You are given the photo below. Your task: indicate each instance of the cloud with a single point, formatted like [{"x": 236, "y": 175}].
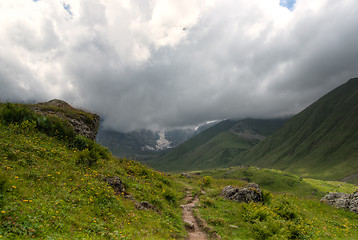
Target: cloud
[{"x": 163, "y": 64}]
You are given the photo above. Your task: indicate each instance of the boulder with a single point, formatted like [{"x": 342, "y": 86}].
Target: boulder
[
  {"x": 147, "y": 205},
  {"x": 186, "y": 175},
  {"x": 249, "y": 193},
  {"x": 115, "y": 182},
  {"x": 342, "y": 200}
]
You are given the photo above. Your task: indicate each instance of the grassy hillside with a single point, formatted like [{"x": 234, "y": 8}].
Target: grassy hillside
[
  {"x": 53, "y": 187},
  {"x": 57, "y": 185},
  {"x": 291, "y": 208},
  {"x": 216, "y": 146},
  {"x": 320, "y": 142}
]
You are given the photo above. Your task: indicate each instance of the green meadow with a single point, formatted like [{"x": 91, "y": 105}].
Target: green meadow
[{"x": 52, "y": 187}]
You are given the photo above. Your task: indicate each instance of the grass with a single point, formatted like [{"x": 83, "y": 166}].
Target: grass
[
  {"x": 277, "y": 181},
  {"x": 286, "y": 214},
  {"x": 46, "y": 194}
]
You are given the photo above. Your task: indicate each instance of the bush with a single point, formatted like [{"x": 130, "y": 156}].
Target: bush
[
  {"x": 285, "y": 210},
  {"x": 52, "y": 126},
  {"x": 87, "y": 157},
  {"x": 44, "y": 124},
  {"x": 61, "y": 129},
  {"x": 14, "y": 113},
  {"x": 266, "y": 197},
  {"x": 170, "y": 196},
  {"x": 207, "y": 180},
  {"x": 3, "y": 185},
  {"x": 80, "y": 142}
]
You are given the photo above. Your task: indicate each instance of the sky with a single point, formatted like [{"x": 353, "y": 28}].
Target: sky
[{"x": 162, "y": 64}]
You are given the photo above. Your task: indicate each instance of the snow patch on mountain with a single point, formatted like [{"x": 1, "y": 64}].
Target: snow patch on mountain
[{"x": 162, "y": 142}]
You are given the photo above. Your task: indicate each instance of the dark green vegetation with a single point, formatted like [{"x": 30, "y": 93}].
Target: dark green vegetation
[
  {"x": 51, "y": 186},
  {"x": 291, "y": 207},
  {"x": 320, "y": 142},
  {"x": 216, "y": 146}
]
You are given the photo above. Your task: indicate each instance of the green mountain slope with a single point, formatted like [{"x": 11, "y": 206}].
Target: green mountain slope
[
  {"x": 320, "y": 142},
  {"x": 55, "y": 185},
  {"x": 216, "y": 146}
]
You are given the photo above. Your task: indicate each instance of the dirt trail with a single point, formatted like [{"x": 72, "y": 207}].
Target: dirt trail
[{"x": 194, "y": 231}]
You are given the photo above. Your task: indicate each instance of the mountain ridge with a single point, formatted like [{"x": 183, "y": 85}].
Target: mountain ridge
[
  {"x": 215, "y": 146},
  {"x": 323, "y": 138}
]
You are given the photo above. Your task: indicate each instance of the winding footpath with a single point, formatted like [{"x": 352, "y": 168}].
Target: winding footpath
[{"x": 194, "y": 230}]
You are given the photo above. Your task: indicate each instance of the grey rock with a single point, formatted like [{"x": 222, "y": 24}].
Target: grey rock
[
  {"x": 342, "y": 200},
  {"x": 187, "y": 175},
  {"x": 249, "y": 193},
  {"x": 115, "y": 182}
]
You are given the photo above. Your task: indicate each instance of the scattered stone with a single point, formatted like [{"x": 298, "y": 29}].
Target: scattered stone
[
  {"x": 147, "y": 205},
  {"x": 233, "y": 226},
  {"x": 115, "y": 182},
  {"x": 249, "y": 193},
  {"x": 188, "y": 225},
  {"x": 342, "y": 200},
  {"x": 187, "y": 175},
  {"x": 118, "y": 186},
  {"x": 246, "y": 179}
]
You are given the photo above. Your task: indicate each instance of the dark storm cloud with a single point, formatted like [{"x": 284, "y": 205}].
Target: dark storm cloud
[{"x": 164, "y": 64}]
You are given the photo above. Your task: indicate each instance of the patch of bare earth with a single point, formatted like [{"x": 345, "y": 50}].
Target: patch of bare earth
[{"x": 194, "y": 230}]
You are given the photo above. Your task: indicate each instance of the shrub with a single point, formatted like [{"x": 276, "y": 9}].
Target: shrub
[
  {"x": 87, "y": 157},
  {"x": 208, "y": 202},
  {"x": 61, "y": 129},
  {"x": 52, "y": 126},
  {"x": 44, "y": 124},
  {"x": 207, "y": 180},
  {"x": 266, "y": 197},
  {"x": 80, "y": 142},
  {"x": 170, "y": 196},
  {"x": 14, "y": 113},
  {"x": 285, "y": 210},
  {"x": 3, "y": 186}
]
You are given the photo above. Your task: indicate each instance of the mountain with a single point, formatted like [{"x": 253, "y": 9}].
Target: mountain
[
  {"x": 216, "y": 146},
  {"x": 58, "y": 184},
  {"x": 320, "y": 142},
  {"x": 146, "y": 144}
]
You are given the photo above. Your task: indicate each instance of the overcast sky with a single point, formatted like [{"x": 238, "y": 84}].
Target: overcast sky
[{"x": 170, "y": 63}]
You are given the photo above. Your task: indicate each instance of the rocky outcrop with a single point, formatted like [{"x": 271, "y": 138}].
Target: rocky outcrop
[
  {"x": 115, "y": 182},
  {"x": 84, "y": 123},
  {"x": 342, "y": 200},
  {"x": 145, "y": 205},
  {"x": 118, "y": 186},
  {"x": 249, "y": 193}
]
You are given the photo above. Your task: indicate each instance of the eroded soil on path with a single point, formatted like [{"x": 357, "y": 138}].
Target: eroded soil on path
[{"x": 194, "y": 230}]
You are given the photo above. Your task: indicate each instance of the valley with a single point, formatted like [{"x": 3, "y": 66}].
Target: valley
[{"x": 57, "y": 183}]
